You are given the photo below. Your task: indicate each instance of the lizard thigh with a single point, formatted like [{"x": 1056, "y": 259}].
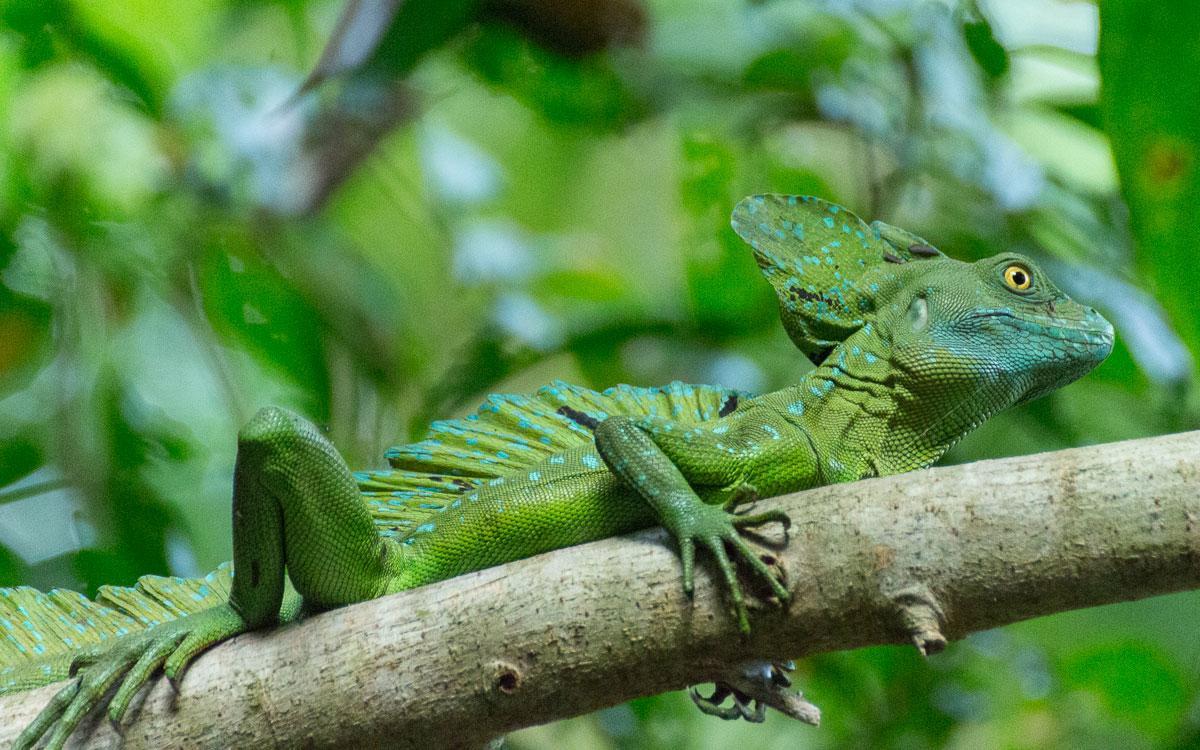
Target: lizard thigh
[{"x": 296, "y": 507}]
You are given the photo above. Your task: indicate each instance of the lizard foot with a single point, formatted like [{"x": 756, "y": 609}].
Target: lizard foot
[
  {"x": 130, "y": 660},
  {"x": 714, "y": 527},
  {"x": 752, "y": 689}
]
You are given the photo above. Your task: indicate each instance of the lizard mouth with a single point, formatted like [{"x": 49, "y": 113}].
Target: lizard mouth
[{"x": 1093, "y": 331}]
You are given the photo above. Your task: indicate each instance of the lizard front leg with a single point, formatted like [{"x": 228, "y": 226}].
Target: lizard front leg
[
  {"x": 633, "y": 455},
  {"x": 296, "y": 507}
]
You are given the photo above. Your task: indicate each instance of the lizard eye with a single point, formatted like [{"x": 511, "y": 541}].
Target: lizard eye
[{"x": 1018, "y": 278}]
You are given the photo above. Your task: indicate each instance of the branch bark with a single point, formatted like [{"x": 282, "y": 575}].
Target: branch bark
[{"x": 921, "y": 558}]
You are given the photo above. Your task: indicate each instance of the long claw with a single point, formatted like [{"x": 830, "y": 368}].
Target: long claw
[
  {"x": 687, "y": 555},
  {"x": 743, "y": 706},
  {"x": 92, "y": 687},
  {"x": 712, "y": 704},
  {"x": 713, "y": 528},
  {"x": 139, "y": 674},
  {"x": 47, "y": 717},
  {"x": 755, "y": 715},
  {"x": 717, "y": 547},
  {"x": 760, "y": 519}
]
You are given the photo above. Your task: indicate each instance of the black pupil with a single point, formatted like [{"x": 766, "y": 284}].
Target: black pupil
[{"x": 1018, "y": 278}]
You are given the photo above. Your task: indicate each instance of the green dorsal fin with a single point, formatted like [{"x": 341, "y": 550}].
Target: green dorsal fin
[
  {"x": 509, "y": 434},
  {"x": 817, "y": 256}
]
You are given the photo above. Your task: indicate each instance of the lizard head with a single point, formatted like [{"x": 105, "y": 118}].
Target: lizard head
[{"x": 998, "y": 328}]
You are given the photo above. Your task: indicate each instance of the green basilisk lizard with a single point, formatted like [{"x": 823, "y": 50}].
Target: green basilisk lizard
[{"x": 912, "y": 350}]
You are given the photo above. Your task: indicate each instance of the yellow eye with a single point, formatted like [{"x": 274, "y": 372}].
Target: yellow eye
[{"x": 1018, "y": 278}]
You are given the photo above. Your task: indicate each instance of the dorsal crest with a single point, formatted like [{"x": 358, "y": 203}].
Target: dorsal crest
[{"x": 819, "y": 258}]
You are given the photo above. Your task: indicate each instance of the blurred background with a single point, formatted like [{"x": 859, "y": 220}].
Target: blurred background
[{"x": 376, "y": 213}]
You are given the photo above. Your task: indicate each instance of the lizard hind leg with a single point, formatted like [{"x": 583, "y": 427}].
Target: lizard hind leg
[{"x": 295, "y": 507}]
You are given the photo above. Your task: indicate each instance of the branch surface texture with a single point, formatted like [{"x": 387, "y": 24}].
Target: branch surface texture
[{"x": 921, "y": 558}]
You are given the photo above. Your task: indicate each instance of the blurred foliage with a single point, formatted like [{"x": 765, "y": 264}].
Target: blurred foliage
[{"x": 520, "y": 190}]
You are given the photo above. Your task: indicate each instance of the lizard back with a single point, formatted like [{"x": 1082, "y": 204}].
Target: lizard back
[{"x": 507, "y": 435}]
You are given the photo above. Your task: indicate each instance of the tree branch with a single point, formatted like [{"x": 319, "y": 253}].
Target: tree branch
[{"x": 921, "y": 558}]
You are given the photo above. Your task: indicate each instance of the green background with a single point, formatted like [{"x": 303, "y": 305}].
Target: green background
[{"x": 479, "y": 207}]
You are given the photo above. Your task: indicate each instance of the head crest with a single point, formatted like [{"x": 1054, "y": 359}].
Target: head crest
[{"x": 817, "y": 256}]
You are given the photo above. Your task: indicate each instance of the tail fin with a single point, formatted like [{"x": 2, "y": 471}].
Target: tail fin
[{"x": 41, "y": 632}]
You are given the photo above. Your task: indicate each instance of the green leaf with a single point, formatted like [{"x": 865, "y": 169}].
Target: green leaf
[
  {"x": 18, "y": 456},
  {"x": 990, "y": 54},
  {"x": 26, "y": 281},
  {"x": 12, "y": 571},
  {"x": 1149, "y": 66},
  {"x": 591, "y": 285},
  {"x": 566, "y": 92},
  {"x": 824, "y": 42},
  {"x": 726, "y": 294},
  {"x": 47, "y": 26},
  {"x": 1086, "y": 112},
  {"x": 785, "y": 69},
  {"x": 250, "y": 303},
  {"x": 1135, "y": 682}
]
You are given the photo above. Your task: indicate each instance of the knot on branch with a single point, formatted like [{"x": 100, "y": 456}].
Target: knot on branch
[
  {"x": 506, "y": 678},
  {"x": 922, "y": 618}
]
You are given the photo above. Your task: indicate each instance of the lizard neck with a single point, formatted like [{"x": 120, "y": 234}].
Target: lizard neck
[{"x": 866, "y": 418}]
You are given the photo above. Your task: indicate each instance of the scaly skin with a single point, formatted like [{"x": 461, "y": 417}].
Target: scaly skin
[{"x": 914, "y": 350}]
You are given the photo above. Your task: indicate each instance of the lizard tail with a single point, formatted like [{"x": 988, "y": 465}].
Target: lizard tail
[{"x": 41, "y": 632}]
